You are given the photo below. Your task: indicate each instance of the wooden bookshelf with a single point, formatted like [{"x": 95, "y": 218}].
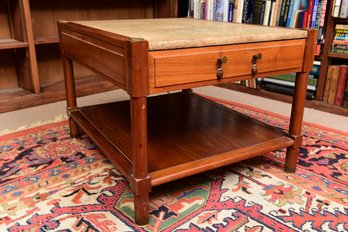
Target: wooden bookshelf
[
  {"x": 328, "y": 57},
  {"x": 30, "y": 61}
]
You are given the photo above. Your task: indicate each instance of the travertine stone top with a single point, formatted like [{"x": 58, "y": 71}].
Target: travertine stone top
[{"x": 176, "y": 33}]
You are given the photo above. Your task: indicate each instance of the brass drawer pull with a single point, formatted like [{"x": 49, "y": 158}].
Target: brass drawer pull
[
  {"x": 254, "y": 68},
  {"x": 219, "y": 71}
]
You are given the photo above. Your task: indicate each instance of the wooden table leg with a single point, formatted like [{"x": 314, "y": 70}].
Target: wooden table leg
[
  {"x": 70, "y": 94},
  {"x": 141, "y": 184},
  {"x": 296, "y": 121}
]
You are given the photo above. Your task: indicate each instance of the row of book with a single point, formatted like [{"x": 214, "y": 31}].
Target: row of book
[
  {"x": 340, "y": 41},
  {"x": 340, "y": 9},
  {"x": 336, "y": 85},
  {"x": 289, "y": 13},
  {"x": 285, "y": 13}
]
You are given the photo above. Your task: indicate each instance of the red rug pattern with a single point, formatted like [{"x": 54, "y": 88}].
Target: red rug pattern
[{"x": 49, "y": 182}]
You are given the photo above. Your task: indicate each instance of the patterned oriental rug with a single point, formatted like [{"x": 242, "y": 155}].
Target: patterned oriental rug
[{"x": 49, "y": 182}]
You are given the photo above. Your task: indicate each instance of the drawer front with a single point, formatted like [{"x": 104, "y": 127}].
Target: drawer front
[
  {"x": 185, "y": 66},
  {"x": 103, "y": 58}
]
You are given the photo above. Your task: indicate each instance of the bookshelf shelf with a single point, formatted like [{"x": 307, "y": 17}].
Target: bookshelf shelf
[
  {"x": 12, "y": 43},
  {"x": 338, "y": 55},
  {"x": 46, "y": 40}
]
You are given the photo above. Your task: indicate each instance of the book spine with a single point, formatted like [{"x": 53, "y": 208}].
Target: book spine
[
  {"x": 336, "y": 8},
  {"x": 293, "y": 16},
  {"x": 275, "y": 13},
  {"x": 256, "y": 11},
  {"x": 290, "y": 14},
  {"x": 328, "y": 83},
  {"x": 219, "y": 14},
  {"x": 225, "y": 5},
  {"x": 342, "y": 80},
  {"x": 314, "y": 13},
  {"x": 310, "y": 11},
  {"x": 286, "y": 12},
  {"x": 262, "y": 12},
  {"x": 245, "y": 11},
  {"x": 250, "y": 12},
  {"x": 344, "y": 9},
  {"x": 230, "y": 11},
  {"x": 278, "y": 12},
  {"x": 271, "y": 13},
  {"x": 267, "y": 12},
  {"x": 240, "y": 11},
  {"x": 333, "y": 85},
  {"x": 323, "y": 12},
  {"x": 214, "y": 9},
  {"x": 345, "y": 100}
]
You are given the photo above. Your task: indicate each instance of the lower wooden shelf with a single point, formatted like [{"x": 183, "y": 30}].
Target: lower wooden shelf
[{"x": 187, "y": 134}]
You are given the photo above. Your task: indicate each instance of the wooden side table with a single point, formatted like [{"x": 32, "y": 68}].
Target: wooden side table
[{"x": 158, "y": 139}]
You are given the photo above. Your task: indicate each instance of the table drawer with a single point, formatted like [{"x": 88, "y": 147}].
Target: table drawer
[{"x": 176, "y": 67}]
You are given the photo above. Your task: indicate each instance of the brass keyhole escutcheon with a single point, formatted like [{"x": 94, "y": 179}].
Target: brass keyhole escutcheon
[
  {"x": 219, "y": 70},
  {"x": 254, "y": 68}
]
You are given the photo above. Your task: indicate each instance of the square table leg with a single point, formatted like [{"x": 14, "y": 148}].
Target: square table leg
[
  {"x": 70, "y": 94},
  {"x": 296, "y": 121}
]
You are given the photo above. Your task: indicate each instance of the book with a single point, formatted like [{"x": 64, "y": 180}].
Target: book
[
  {"x": 231, "y": 11},
  {"x": 315, "y": 71},
  {"x": 341, "y": 84},
  {"x": 336, "y": 8},
  {"x": 339, "y": 48},
  {"x": 280, "y": 3},
  {"x": 333, "y": 84},
  {"x": 239, "y": 11},
  {"x": 343, "y": 9},
  {"x": 257, "y": 11},
  {"x": 345, "y": 99},
  {"x": 314, "y": 13},
  {"x": 273, "y": 18},
  {"x": 323, "y": 12},
  {"x": 328, "y": 83},
  {"x": 286, "y": 12},
  {"x": 219, "y": 14},
  {"x": 248, "y": 11},
  {"x": 293, "y": 13},
  {"x": 282, "y": 17},
  {"x": 340, "y": 41},
  {"x": 310, "y": 11},
  {"x": 267, "y": 12},
  {"x": 341, "y": 31}
]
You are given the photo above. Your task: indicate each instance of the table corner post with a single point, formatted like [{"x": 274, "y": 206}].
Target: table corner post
[
  {"x": 298, "y": 102},
  {"x": 69, "y": 81},
  {"x": 141, "y": 183},
  {"x": 138, "y": 87}
]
